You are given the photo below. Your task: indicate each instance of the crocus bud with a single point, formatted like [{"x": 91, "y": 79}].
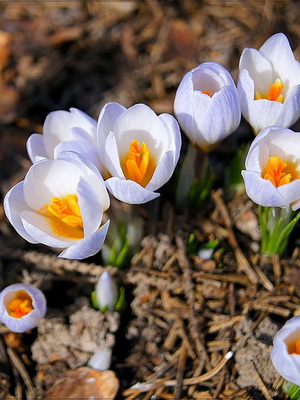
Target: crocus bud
[
  {"x": 21, "y": 307},
  {"x": 269, "y": 84},
  {"x": 285, "y": 354},
  {"x": 107, "y": 292},
  {"x": 207, "y": 105},
  {"x": 101, "y": 360}
]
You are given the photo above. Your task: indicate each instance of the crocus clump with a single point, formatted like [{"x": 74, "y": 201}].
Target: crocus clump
[
  {"x": 273, "y": 168},
  {"x": 207, "y": 105},
  {"x": 285, "y": 353},
  {"x": 21, "y": 307},
  {"x": 60, "y": 203},
  {"x": 269, "y": 84}
]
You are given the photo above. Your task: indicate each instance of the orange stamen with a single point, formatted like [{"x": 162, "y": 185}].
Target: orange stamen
[
  {"x": 21, "y": 305},
  {"x": 274, "y": 172},
  {"x": 65, "y": 217},
  {"x": 208, "y": 92},
  {"x": 138, "y": 165},
  {"x": 294, "y": 348},
  {"x": 274, "y": 93}
]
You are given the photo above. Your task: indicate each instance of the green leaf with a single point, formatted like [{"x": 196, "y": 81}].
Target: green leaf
[
  {"x": 94, "y": 301},
  {"x": 120, "y": 305}
]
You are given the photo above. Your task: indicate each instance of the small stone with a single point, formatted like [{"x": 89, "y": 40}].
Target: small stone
[{"x": 84, "y": 383}]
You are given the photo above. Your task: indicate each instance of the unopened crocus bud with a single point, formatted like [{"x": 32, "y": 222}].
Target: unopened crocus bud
[
  {"x": 207, "y": 105},
  {"x": 107, "y": 292},
  {"x": 101, "y": 360},
  {"x": 285, "y": 354},
  {"x": 21, "y": 307}
]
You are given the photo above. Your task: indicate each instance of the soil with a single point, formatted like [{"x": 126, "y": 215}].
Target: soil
[{"x": 193, "y": 328}]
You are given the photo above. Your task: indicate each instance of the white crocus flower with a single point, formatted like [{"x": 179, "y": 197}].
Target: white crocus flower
[
  {"x": 285, "y": 354},
  {"x": 272, "y": 175},
  {"x": 21, "y": 307},
  {"x": 207, "y": 105},
  {"x": 107, "y": 292},
  {"x": 269, "y": 84},
  {"x": 63, "y": 131},
  {"x": 138, "y": 149},
  {"x": 60, "y": 203}
]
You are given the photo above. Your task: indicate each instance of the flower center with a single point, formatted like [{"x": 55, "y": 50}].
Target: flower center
[
  {"x": 65, "y": 217},
  {"x": 138, "y": 166},
  {"x": 294, "y": 347},
  {"x": 279, "y": 172},
  {"x": 208, "y": 92},
  {"x": 274, "y": 93},
  {"x": 20, "y": 305}
]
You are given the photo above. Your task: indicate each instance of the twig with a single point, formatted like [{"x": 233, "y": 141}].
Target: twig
[
  {"x": 260, "y": 383},
  {"x": 22, "y": 371},
  {"x": 241, "y": 259},
  {"x": 180, "y": 372}
]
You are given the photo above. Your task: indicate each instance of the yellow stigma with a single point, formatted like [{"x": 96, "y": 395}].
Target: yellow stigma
[
  {"x": 280, "y": 172},
  {"x": 138, "y": 165},
  {"x": 20, "y": 305},
  {"x": 65, "y": 217},
  {"x": 294, "y": 347},
  {"x": 274, "y": 92}
]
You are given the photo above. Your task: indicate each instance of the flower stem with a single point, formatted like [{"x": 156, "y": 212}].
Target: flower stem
[{"x": 276, "y": 226}]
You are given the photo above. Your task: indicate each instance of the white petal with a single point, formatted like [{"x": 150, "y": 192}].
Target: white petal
[
  {"x": 90, "y": 207},
  {"x": 14, "y": 204},
  {"x": 172, "y": 127},
  {"x": 290, "y": 110},
  {"x": 86, "y": 149},
  {"x": 262, "y": 191},
  {"x": 90, "y": 172},
  {"x": 88, "y": 246},
  {"x": 107, "y": 118},
  {"x": 265, "y": 113},
  {"x": 49, "y": 178},
  {"x": 183, "y": 106},
  {"x": 84, "y": 125},
  {"x": 141, "y": 123},
  {"x": 35, "y": 147},
  {"x": 291, "y": 193},
  {"x": 245, "y": 89},
  {"x": 163, "y": 172},
  {"x": 59, "y": 124},
  {"x": 260, "y": 149},
  {"x": 112, "y": 158},
  {"x": 38, "y": 226},
  {"x": 278, "y": 50},
  {"x": 223, "y": 115},
  {"x": 129, "y": 191},
  {"x": 259, "y": 68}
]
